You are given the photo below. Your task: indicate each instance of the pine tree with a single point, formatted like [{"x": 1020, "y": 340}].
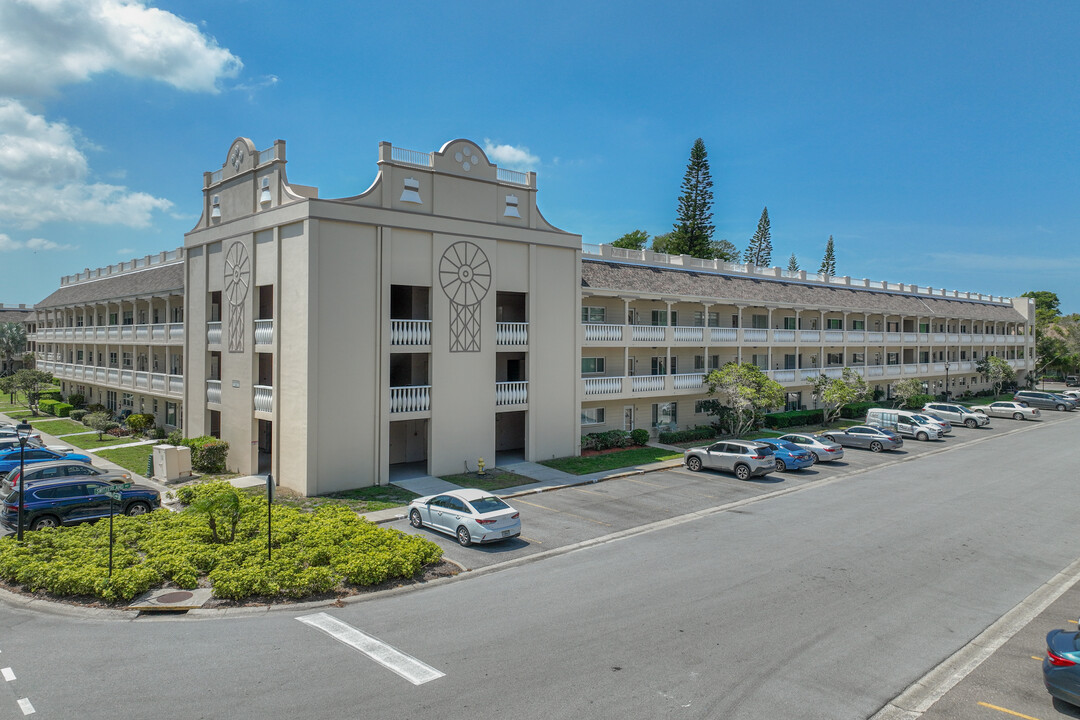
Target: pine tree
[
  {"x": 693, "y": 230},
  {"x": 759, "y": 252},
  {"x": 793, "y": 264},
  {"x": 828, "y": 263}
]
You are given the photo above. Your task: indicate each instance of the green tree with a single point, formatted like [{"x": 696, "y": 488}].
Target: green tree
[
  {"x": 9, "y": 387},
  {"x": 759, "y": 251},
  {"x": 828, "y": 263},
  {"x": 907, "y": 389},
  {"x": 221, "y": 507},
  {"x": 634, "y": 240},
  {"x": 31, "y": 383},
  {"x": 746, "y": 390},
  {"x": 725, "y": 250},
  {"x": 1047, "y": 306},
  {"x": 694, "y": 229},
  {"x": 793, "y": 263},
  {"x": 99, "y": 421},
  {"x": 834, "y": 393},
  {"x": 666, "y": 243},
  {"x": 12, "y": 343},
  {"x": 996, "y": 370}
]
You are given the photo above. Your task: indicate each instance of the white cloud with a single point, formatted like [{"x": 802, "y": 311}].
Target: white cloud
[
  {"x": 44, "y": 177},
  {"x": 516, "y": 158},
  {"x": 33, "y": 244},
  {"x": 48, "y": 43}
]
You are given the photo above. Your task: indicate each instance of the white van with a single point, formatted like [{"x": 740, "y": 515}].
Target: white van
[{"x": 904, "y": 422}]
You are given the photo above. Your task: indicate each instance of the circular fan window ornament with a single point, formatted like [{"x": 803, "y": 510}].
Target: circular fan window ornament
[
  {"x": 237, "y": 280},
  {"x": 465, "y": 277}
]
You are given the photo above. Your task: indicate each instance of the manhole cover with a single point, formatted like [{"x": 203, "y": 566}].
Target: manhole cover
[{"x": 174, "y": 597}]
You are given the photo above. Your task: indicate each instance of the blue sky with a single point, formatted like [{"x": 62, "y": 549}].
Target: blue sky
[{"x": 936, "y": 142}]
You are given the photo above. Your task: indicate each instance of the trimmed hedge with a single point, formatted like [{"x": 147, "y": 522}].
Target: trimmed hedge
[
  {"x": 79, "y": 414},
  {"x": 62, "y": 409},
  {"x": 701, "y": 432},
  {"x": 791, "y": 418},
  {"x": 856, "y": 411},
  {"x": 57, "y": 408},
  {"x": 46, "y": 406},
  {"x": 50, "y": 395},
  {"x": 606, "y": 440},
  {"x": 640, "y": 436},
  {"x": 915, "y": 402}
]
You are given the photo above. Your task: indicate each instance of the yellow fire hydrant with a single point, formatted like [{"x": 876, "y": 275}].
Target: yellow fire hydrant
[{"x": 480, "y": 464}]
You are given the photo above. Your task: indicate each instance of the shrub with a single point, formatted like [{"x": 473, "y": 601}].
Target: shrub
[
  {"x": 62, "y": 409},
  {"x": 78, "y": 415},
  {"x": 640, "y": 436},
  {"x": 701, "y": 432},
  {"x": 915, "y": 402},
  {"x": 791, "y": 418},
  {"x": 159, "y": 433},
  {"x": 48, "y": 406},
  {"x": 116, "y": 430},
  {"x": 76, "y": 400},
  {"x": 50, "y": 395},
  {"x": 97, "y": 408},
  {"x": 99, "y": 421},
  {"x": 138, "y": 422},
  {"x": 606, "y": 440},
  {"x": 208, "y": 454},
  {"x": 854, "y": 411}
]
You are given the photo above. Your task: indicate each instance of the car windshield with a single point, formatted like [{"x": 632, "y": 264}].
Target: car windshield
[
  {"x": 789, "y": 446},
  {"x": 488, "y": 504}
]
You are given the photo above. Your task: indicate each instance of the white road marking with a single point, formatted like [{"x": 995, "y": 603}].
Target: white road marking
[
  {"x": 8, "y": 674},
  {"x": 27, "y": 708},
  {"x": 404, "y": 665}
]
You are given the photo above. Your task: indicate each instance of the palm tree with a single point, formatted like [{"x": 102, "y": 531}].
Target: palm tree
[{"x": 12, "y": 343}]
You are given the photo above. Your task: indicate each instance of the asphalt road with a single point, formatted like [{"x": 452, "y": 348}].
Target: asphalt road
[{"x": 822, "y": 602}]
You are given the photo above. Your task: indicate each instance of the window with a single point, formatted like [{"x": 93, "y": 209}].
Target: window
[
  {"x": 734, "y": 321},
  {"x": 963, "y": 328},
  {"x": 714, "y": 362},
  {"x": 893, "y": 359},
  {"x": 592, "y": 416},
  {"x": 114, "y": 318},
  {"x": 127, "y": 360},
  {"x": 79, "y": 356},
  {"x": 834, "y": 358},
  {"x": 110, "y": 400},
  {"x": 924, "y": 327},
  {"x": 834, "y": 324},
  {"x": 592, "y": 365},
  {"x": 658, "y": 365},
  {"x": 699, "y": 362},
  {"x": 701, "y": 407},
  {"x": 924, "y": 356},
  {"x": 759, "y": 321},
  {"x": 129, "y": 318},
  {"x": 593, "y": 314},
  {"x": 112, "y": 359},
  {"x": 699, "y": 319},
  {"x": 790, "y": 362},
  {"x": 858, "y": 324},
  {"x": 760, "y": 361},
  {"x": 789, "y": 323},
  {"x": 664, "y": 414},
  {"x": 858, "y": 358},
  {"x": 659, "y": 317},
  {"x": 892, "y": 327},
  {"x": 127, "y": 400}
]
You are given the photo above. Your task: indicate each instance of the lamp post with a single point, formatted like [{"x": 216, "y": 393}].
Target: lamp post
[
  {"x": 23, "y": 430},
  {"x": 946, "y": 379}
]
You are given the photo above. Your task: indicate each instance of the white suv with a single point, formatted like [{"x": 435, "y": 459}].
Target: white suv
[{"x": 957, "y": 414}]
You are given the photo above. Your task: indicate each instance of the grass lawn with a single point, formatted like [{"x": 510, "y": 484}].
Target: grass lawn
[
  {"x": 491, "y": 481},
  {"x": 89, "y": 442},
  {"x": 611, "y": 461},
  {"x": 361, "y": 500},
  {"x": 19, "y": 413},
  {"x": 129, "y": 458},
  {"x": 59, "y": 427}
]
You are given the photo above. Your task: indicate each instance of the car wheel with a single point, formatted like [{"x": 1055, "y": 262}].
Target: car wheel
[
  {"x": 1060, "y": 408},
  {"x": 45, "y": 521},
  {"x": 138, "y": 508},
  {"x": 693, "y": 464},
  {"x": 742, "y": 472},
  {"x": 414, "y": 519},
  {"x": 971, "y": 423},
  {"x": 830, "y": 438},
  {"x": 922, "y": 437},
  {"x": 876, "y": 446},
  {"x": 463, "y": 536},
  {"x": 817, "y": 458},
  {"x": 1018, "y": 416},
  {"x": 780, "y": 466}
]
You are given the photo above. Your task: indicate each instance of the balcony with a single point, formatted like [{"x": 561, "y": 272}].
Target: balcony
[
  {"x": 264, "y": 332},
  {"x": 809, "y": 336},
  {"x": 693, "y": 335},
  {"x": 603, "y": 333},
  {"x": 834, "y": 337},
  {"x": 754, "y": 335},
  {"x": 723, "y": 335},
  {"x": 213, "y": 391},
  {"x": 410, "y": 332},
  {"x": 264, "y": 398},
  {"x": 648, "y": 333},
  {"x": 511, "y": 393},
  {"x": 121, "y": 379},
  {"x": 410, "y": 399},
  {"x": 213, "y": 333},
  {"x": 511, "y": 333},
  {"x": 784, "y": 336}
]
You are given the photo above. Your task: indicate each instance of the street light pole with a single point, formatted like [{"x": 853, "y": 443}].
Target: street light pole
[
  {"x": 23, "y": 430},
  {"x": 946, "y": 379}
]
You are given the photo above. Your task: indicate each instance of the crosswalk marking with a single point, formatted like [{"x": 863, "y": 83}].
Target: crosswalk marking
[
  {"x": 404, "y": 665},
  {"x": 26, "y": 707}
]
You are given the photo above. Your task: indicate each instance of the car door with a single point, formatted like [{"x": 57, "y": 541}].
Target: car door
[
  {"x": 858, "y": 437},
  {"x": 434, "y": 511},
  {"x": 711, "y": 457},
  {"x": 88, "y": 501},
  {"x": 454, "y": 512}
]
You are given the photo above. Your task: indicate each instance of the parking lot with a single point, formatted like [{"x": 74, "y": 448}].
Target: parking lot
[{"x": 561, "y": 518}]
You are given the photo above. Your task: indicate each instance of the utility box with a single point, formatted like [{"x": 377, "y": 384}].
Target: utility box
[{"x": 172, "y": 463}]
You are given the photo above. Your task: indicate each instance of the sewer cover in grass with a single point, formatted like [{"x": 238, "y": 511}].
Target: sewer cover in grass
[{"x": 171, "y": 600}]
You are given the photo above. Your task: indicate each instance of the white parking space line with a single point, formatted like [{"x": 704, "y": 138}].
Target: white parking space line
[
  {"x": 8, "y": 674},
  {"x": 404, "y": 665},
  {"x": 26, "y": 707}
]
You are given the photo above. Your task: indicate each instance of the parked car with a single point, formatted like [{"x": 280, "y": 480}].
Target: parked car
[
  {"x": 745, "y": 458},
  {"x": 473, "y": 516},
  {"x": 942, "y": 424},
  {"x": 1073, "y": 395},
  {"x": 69, "y": 501},
  {"x": 865, "y": 436},
  {"x": 788, "y": 455},
  {"x": 904, "y": 422},
  {"x": 9, "y": 434},
  {"x": 1039, "y": 399},
  {"x": 1061, "y": 666},
  {"x": 56, "y": 469},
  {"x": 1072, "y": 381},
  {"x": 957, "y": 414},
  {"x": 822, "y": 449},
  {"x": 9, "y": 459},
  {"x": 1008, "y": 409}
]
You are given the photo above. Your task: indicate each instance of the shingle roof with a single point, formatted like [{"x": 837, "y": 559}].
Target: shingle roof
[
  {"x": 8, "y": 315},
  {"x": 601, "y": 275},
  {"x": 155, "y": 279}
]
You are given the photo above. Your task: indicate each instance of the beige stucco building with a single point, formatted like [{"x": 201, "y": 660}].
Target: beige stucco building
[{"x": 437, "y": 318}]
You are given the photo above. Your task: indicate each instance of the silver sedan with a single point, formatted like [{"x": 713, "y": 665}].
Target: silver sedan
[
  {"x": 822, "y": 449},
  {"x": 472, "y": 516},
  {"x": 1008, "y": 409}
]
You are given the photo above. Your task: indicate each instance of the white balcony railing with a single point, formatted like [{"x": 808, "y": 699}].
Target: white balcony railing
[
  {"x": 910, "y": 369},
  {"x": 176, "y": 384},
  {"x": 784, "y": 336},
  {"x": 213, "y": 391},
  {"x": 834, "y": 336},
  {"x": 264, "y": 331},
  {"x": 875, "y": 337},
  {"x": 755, "y": 335},
  {"x": 511, "y": 333},
  {"x": 410, "y": 332},
  {"x": 648, "y": 333},
  {"x": 647, "y": 383},
  {"x": 213, "y": 333},
  {"x": 264, "y": 398},
  {"x": 688, "y": 381},
  {"x": 856, "y": 336},
  {"x": 410, "y": 398},
  {"x": 909, "y": 337},
  {"x": 782, "y": 376},
  {"x": 723, "y": 335},
  {"x": 892, "y": 370},
  {"x": 893, "y": 337},
  {"x": 603, "y": 386},
  {"x": 603, "y": 333},
  {"x": 512, "y": 393},
  {"x": 176, "y": 332},
  {"x": 809, "y": 336},
  {"x": 689, "y": 334}
]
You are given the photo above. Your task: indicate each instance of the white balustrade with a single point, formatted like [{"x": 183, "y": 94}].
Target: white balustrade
[
  {"x": 978, "y": 338},
  {"x": 722, "y": 335},
  {"x": 157, "y": 382},
  {"x": 924, "y": 367},
  {"x": 213, "y": 391},
  {"x": 911, "y": 369},
  {"x": 142, "y": 380},
  {"x": 689, "y": 334},
  {"x": 603, "y": 386},
  {"x": 410, "y": 398},
  {"x": 114, "y": 376},
  {"x": 512, "y": 393},
  {"x": 965, "y": 338},
  {"x": 176, "y": 384},
  {"x": 127, "y": 377},
  {"x": 953, "y": 338},
  {"x": 264, "y": 398},
  {"x": 112, "y": 332},
  {"x": 939, "y": 367},
  {"x": 892, "y": 370},
  {"x": 647, "y": 383},
  {"x": 924, "y": 338},
  {"x": 834, "y": 336},
  {"x": 264, "y": 331},
  {"x": 410, "y": 332},
  {"x": 213, "y": 333},
  {"x": 783, "y": 376},
  {"x": 809, "y": 336},
  {"x": 909, "y": 337},
  {"x": 603, "y": 333},
  {"x": 511, "y": 333},
  {"x": 875, "y": 337},
  {"x": 158, "y": 332},
  {"x": 755, "y": 335},
  {"x": 892, "y": 337},
  {"x": 142, "y": 332},
  {"x": 648, "y": 333},
  {"x": 176, "y": 332},
  {"x": 688, "y": 381},
  {"x": 856, "y": 336},
  {"x": 127, "y": 332},
  {"x": 875, "y": 371},
  {"x": 783, "y": 336},
  {"x": 99, "y": 374},
  {"x": 939, "y": 337},
  {"x": 833, "y": 372},
  {"x": 966, "y": 365}
]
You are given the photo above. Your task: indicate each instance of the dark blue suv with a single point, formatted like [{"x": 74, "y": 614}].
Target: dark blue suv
[{"x": 51, "y": 503}]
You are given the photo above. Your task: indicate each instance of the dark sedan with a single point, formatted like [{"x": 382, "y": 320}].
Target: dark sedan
[
  {"x": 1061, "y": 666},
  {"x": 865, "y": 436},
  {"x": 51, "y": 503}
]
